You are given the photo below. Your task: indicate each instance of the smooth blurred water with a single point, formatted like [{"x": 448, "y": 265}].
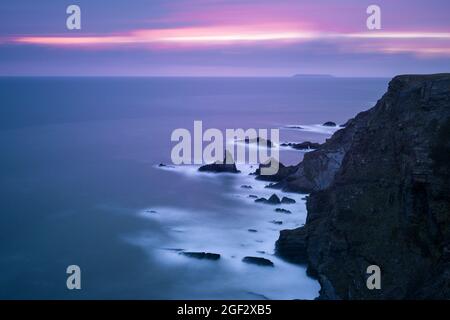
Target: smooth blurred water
[{"x": 78, "y": 172}]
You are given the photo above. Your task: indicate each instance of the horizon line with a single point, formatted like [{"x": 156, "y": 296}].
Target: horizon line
[{"x": 295, "y": 76}]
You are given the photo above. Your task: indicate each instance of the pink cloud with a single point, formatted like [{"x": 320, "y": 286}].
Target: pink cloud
[
  {"x": 200, "y": 37},
  {"x": 170, "y": 38}
]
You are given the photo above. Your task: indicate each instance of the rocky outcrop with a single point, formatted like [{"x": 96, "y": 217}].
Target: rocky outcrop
[
  {"x": 201, "y": 255},
  {"x": 227, "y": 166},
  {"x": 272, "y": 200},
  {"x": 258, "y": 261},
  {"x": 281, "y": 210},
  {"x": 318, "y": 168},
  {"x": 380, "y": 195},
  {"x": 276, "y": 222},
  {"x": 260, "y": 142},
  {"x": 286, "y": 200},
  {"x": 282, "y": 173}
]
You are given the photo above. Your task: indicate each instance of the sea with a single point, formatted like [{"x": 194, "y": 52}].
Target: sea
[{"x": 81, "y": 184}]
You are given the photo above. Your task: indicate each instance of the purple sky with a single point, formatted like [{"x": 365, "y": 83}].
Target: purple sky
[{"x": 224, "y": 38}]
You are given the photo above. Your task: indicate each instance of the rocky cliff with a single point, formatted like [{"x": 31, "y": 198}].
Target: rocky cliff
[{"x": 380, "y": 195}]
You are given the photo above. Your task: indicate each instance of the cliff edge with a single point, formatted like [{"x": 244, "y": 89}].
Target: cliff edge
[{"x": 380, "y": 195}]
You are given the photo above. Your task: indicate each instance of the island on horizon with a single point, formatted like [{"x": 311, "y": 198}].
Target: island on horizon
[{"x": 313, "y": 75}]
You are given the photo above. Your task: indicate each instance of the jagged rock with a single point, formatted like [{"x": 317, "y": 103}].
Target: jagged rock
[
  {"x": 227, "y": 166},
  {"x": 292, "y": 245},
  {"x": 258, "y": 261},
  {"x": 319, "y": 167},
  {"x": 282, "y": 172},
  {"x": 283, "y": 211},
  {"x": 381, "y": 196},
  {"x": 272, "y": 200},
  {"x": 287, "y": 200},
  {"x": 330, "y": 124},
  {"x": 202, "y": 255},
  {"x": 246, "y": 187}
]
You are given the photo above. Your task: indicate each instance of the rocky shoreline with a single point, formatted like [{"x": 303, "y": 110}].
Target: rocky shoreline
[
  {"x": 278, "y": 209},
  {"x": 380, "y": 195}
]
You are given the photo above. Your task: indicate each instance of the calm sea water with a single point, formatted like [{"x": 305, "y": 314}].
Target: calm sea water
[{"x": 79, "y": 181}]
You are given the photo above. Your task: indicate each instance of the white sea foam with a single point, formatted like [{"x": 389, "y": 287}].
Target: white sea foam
[
  {"x": 226, "y": 232},
  {"x": 315, "y": 128},
  {"x": 253, "y": 145},
  {"x": 289, "y": 148}
]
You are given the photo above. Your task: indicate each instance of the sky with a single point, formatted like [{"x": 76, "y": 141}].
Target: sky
[{"x": 224, "y": 38}]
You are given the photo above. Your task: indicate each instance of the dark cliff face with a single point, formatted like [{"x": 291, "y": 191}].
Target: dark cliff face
[
  {"x": 317, "y": 170},
  {"x": 385, "y": 201}
]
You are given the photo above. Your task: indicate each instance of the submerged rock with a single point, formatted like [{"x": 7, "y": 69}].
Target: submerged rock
[
  {"x": 283, "y": 211},
  {"x": 173, "y": 249},
  {"x": 244, "y": 186},
  {"x": 276, "y": 222},
  {"x": 330, "y": 124},
  {"x": 202, "y": 255},
  {"x": 258, "y": 295},
  {"x": 252, "y": 230},
  {"x": 253, "y": 196},
  {"x": 258, "y": 261},
  {"x": 163, "y": 165}
]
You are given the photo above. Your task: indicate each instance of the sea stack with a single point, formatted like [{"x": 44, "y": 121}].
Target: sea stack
[{"x": 227, "y": 166}]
